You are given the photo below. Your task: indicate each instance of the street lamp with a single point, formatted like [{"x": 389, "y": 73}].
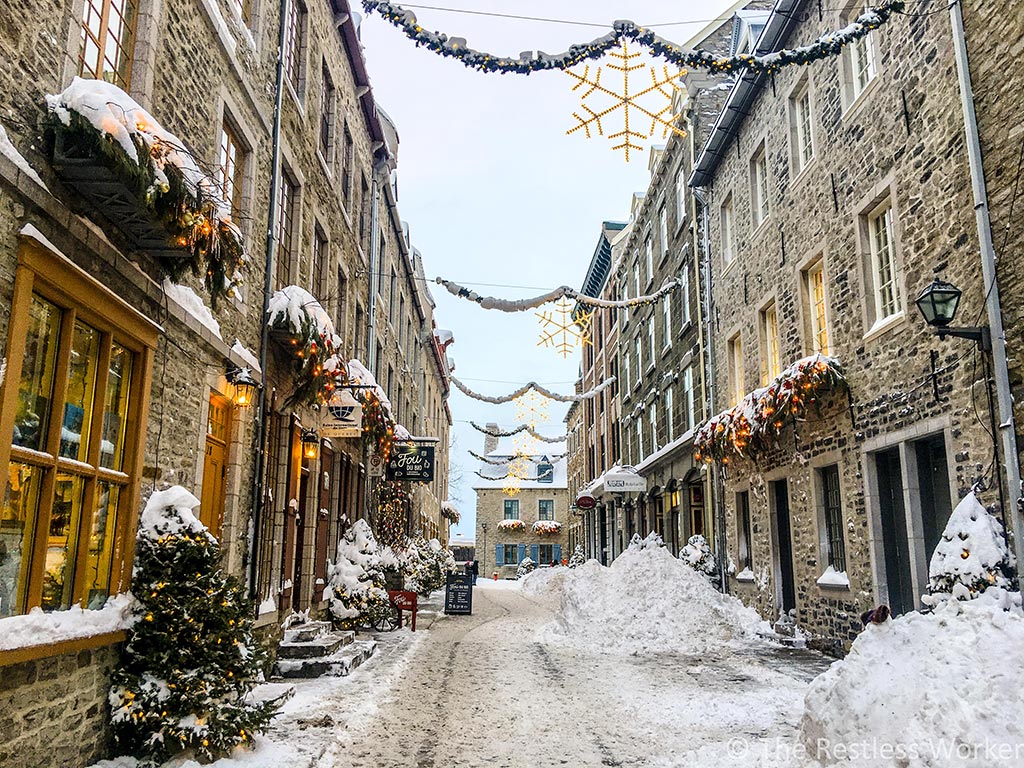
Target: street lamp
[
  {"x": 245, "y": 386},
  {"x": 310, "y": 444},
  {"x": 938, "y": 304}
]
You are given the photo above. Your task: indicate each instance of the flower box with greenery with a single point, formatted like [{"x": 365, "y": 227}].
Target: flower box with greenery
[
  {"x": 449, "y": 512},
  {"x": 144, "y": 181},
  {"x": 511, "y": 525},
  {"x": 547, "y": 527}
]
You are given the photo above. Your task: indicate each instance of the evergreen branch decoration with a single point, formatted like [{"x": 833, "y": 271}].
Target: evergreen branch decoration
[
  {"x": 564, "y": 291},
  {"x": 521, "y": 428},
  {"x": 529, "y": 62}
]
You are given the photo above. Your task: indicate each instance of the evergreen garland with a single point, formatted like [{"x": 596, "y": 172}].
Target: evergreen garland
[
  {"x": 378, "y": 426},
  {"x": 191, "y": 660},
  {"x": 317, "y": 362},
  {"x": 392, "y": 504}
]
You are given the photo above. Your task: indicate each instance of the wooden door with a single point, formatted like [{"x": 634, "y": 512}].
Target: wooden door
[
  {"x": 323, "y": 522},
  {"x": 785, "y": 546},
  {"x": 211, "y": 508}
]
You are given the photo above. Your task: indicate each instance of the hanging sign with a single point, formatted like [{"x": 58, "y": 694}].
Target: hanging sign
[
  {"x": 411, "y": 461},
  {"x": 344, "y": 416},
  {"x": 586, "y": 501}
]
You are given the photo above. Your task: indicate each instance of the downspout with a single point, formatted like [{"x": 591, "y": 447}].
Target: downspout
[
  {"x": 1004, "y": 398},
  {"x": 259, "y": 495},
  {"x": 717, "y": 480}
]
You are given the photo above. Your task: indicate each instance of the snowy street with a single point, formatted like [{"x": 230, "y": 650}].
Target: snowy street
[{"x": 481, "y": 690}]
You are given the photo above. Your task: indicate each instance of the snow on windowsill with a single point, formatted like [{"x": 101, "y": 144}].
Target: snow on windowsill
[
  {"x": 189, "y": 300},
  {"x": 247, "y": 355},
  {"x": 745, "y": 575},
  {"x": 40, "y": 628},
  {"x": 833, "y": 578},
  {"x": 883, "y": 325}
]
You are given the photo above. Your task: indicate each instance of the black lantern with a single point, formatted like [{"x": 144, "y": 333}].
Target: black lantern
[
  {"x": 310, "y": 444},
  {"x": 245, "y": 386},
  {"x": 939, "y": 302}
]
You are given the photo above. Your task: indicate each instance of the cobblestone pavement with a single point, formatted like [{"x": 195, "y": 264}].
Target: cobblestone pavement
[{"x": 481, "y": 691}]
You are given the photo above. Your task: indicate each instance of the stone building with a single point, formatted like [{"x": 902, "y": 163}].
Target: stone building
[
  {"x": 575, "y": 475},
  {"x": 835, "y": 192},
  {"x": 520, "y": 518},
  {"x": 147, "y": 366}
]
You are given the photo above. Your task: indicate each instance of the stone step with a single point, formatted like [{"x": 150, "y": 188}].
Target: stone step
[
  {"x": 338, "y": 664},
  {"x": 321, "y": 645},
  {"x": 303, "y": 633}
]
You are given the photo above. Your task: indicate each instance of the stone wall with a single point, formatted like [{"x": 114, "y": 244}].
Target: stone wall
[
  {"x": 490, "y": 510},
  {"x": 53, "y": 711}
]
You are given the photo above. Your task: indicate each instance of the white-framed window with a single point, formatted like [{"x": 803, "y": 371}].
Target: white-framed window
[
  {"x": 680, "y": 197},
  {"x": 666, "y": 311},
  {"x": 546, "y": 509},
  {"x": 817, "y": 306},
  {"x": 728, "y": 231},
  {"x": 511, "y": 509},
  {"x": 639, "y": 438},
  {"x": 884, "y": 273},
  {"x": 636, "y": 280},
  {"x": 684, "y": 295},
  {"x": 649, "y": 246},
  {"x": 862, "y": 63},
  {"x": 650, "y": 341},
  {"x": 639, "y": 358},
  {"x": 625, "y": 369},
  {"x": 736, "y": 383},
  {"x": 652, "y": 416},
  {"x": 759, "y": 206},
  {"x": 670, "y": 426},
  {"x": 688, "y": 402},
  {"x": 769, "y": 343},
  {"x": 663, "y": 232},
  {"x": 800, "y": 129}
]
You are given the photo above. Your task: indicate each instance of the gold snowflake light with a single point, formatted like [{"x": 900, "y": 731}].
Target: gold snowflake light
[
  {"x": 520, "y": 468},
  {"x": 511, "y": 487},
  {"x": 561, "y": 331},
  {"x": 531, "y": 410},
  {"x": 652, "y": 102}
]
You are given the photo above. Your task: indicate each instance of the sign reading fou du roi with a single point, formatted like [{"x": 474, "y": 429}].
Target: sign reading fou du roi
[{"x": 411, "y": 461}]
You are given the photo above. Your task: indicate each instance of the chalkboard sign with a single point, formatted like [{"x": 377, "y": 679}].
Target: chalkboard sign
[
  {"x": 411, "y": 462},
  {"x": 458, "y": 594}
]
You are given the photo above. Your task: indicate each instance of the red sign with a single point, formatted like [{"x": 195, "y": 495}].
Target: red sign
[
  {"x": 586, "y": 502},
  {"x": 404, "y": 601}
]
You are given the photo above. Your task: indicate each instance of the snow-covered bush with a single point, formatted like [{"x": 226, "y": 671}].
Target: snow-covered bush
[
  {"x": 579, "y": 557},
  {"x": 427, "y": 564},
  {"x": 970, "y": 557},
  {"x": 355, "y": 580},
  {"x": 652, "y": 541},
  {"x": 697, "y": 554},
  {"x": 525, "y": 566}
]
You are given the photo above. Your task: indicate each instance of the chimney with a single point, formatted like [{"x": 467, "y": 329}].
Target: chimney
[{"x": 490, "y": 441}]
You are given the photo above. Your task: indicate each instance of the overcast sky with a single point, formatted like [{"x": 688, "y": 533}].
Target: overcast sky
[{"x": 497, "y": 197}]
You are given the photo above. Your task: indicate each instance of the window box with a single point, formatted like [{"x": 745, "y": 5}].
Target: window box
[
  {"x": 511, "y": 525},
  {"x": 547, "y": 527}
]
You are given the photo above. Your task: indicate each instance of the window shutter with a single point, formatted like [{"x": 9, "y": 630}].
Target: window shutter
[
  {"x": 522, "y": 552},
  {"x": 499, "y": 554},
  {"x": 533, "y": 552},
  {"x": 558, "y": 553}
]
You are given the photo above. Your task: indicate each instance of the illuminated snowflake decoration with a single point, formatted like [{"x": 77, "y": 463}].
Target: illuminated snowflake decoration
[
  {"x": 511, "y": 487},
  {"x": 522, "y": 445},
  {"x": 561, "y": 331},
  {"x": 520, "y": 468},
  {"x": 643, "y": 111},
  {"x": 531, "y": 410}
]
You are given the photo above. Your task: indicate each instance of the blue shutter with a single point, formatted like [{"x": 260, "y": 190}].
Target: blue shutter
[
  {"x": 522, "y": 552},
  {"x": 499, "y": 554},
  {"x": 558, "y": 553},
  {"x": 534, "y": 549}
]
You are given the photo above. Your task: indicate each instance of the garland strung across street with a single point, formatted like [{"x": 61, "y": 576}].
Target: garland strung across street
[
  {"x": 824, "y": 47},
  {"x": 521, "y": 428},
  {"x": 502, "y": 399},
  {"x": 752, "y": 426},
  {"x": 564, "y": 291},
  {"x": 503, "y": 462}
]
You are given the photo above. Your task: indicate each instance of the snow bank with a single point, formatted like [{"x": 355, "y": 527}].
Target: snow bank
[
  {"x": 39, "y": 628},
  {"x": 937, "y": 689},
  {"x": 646, "y": 602}
]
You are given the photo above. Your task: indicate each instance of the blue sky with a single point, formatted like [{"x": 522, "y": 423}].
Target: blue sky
[{"x": 497, "y": 197}]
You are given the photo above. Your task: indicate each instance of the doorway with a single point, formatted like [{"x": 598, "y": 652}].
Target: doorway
[
  {"x": 323, "y": 522},
  {"x": 933, "y": 481},
  {"x": 784, "y": 547},
  {"x": 211, "y": 505},
  {"x": 893, "y": 514}
]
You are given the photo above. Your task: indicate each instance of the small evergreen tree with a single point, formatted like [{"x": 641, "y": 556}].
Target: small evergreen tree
[
  {"x": 525, "y": 566},
  {"x": 579, "y": 557},
  {"x": 697, "y": 554},
  {"x": 355, "y": 589},
  {"x": 428, "y": 564},
  {"x": 971, "y": 556},
  {"x": 191, "y": 659}
]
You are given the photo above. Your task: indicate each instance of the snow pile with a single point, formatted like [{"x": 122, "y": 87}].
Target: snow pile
[
  {"x": 39, "y": 628},
  {"x": 697, "y": 555},
  {"x": 648, "y": 601},
  {"x": 938, "y": 689},
  {"x": 511, "y": 525},
  {"x": 547, "y": 527},
  {"x": 189, "y": 300},
  {"x": 168, "y": 513},
  {"x": 355, "y": 581}
]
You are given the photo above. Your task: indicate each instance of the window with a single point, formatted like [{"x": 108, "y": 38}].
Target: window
[
  {"x": 402, "y": 327},
  {"x": 340, "y": 306},
  {"x": 650, "y": 340},
  {"x": 636, "y": 280},
  {"x": 295, "y": 45},
  {"x": 831, "y": 502},
  {"x": 736, "y": 369},
  {"x": 862, "y": 64},
  {"x": 759, "y": 188},
  {"x": 883, "y": 263},
  {"x": 769, "y": 344},
  {"x": 744, "y": 538},
  {"x": 545, "y": 473},
  {"x": 625, "y": 370},
  {"x": 649, "y": 251},
  {"x": 546, "y": 509},
  {"x": 680, "y": 197},
  {"x": 392, "y": 293},
  {"x": 510, "y": 554},
  {"x": 364, "y": 198},
  {"x": 230, "y": 169},
  {"x": 639, "y": 438},
  {"x": 319, "y": 266},
  {"x": 728, "y": 246},
  {"x": 688, "y": 397},
  {"x": 639, "y": 358},
  {"x": 666, "y": 312},
  {"x": 800, "y": 129},
  {"x": 286, "y": 210},
  {"x": 347, "y": 161},
  {"x": 545, "y": 553},
  {"x": 327, "y": 102},
  {"x": 652, "y": 416},
  {"x": 511, "y": 509},
  {"x": 663, "y": 232},
  {"x": 81, "y": 358},
  {"x": 816, "y": 306},
  {"x": 684, "y": 295},
  {"x": 670, "y": 426},
  {"x": 108, "y": 41}
]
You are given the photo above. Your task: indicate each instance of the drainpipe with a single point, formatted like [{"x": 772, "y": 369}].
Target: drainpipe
[
  {"x": 259, "y": 496},
  {"x": 1004, "y": 398},
  {"x": 717, "y": 479}
]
